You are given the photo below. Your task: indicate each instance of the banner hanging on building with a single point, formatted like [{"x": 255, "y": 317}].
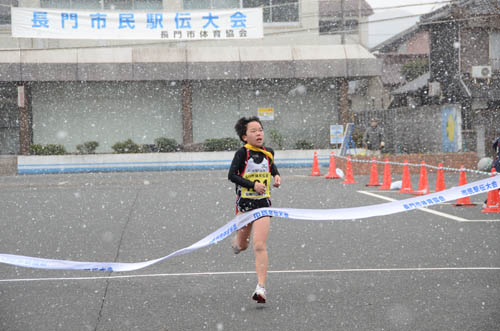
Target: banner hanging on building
[{"x": 242, "y": 23}]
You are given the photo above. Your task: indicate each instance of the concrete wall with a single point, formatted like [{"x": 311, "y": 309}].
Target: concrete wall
[
  {"x": 303, "y": 113},
  {"x": 71, "y": 113}
]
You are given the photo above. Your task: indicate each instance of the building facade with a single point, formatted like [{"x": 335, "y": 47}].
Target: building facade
[{"x": 66, "y": 91}]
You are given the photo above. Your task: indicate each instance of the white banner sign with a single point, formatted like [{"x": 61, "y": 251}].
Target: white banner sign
[
  {"x": 481, "y": 186},
  {"x": 243, "y": 23}
]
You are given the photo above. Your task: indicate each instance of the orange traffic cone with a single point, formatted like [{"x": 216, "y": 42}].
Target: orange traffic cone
[
  {"x": 462, "y": 180},
  {"x": 493, "y": 202},
  {"x": 373, "y": 175},
  {"x": 386, "y": 181},
  {"x": 406, "y": 181},
  {"x": 349, "y": 178},
  {"x": 315, "y": 169},
  {"x": 423, "y": 184},
  {"x": 332, "y": 169},
  {"x": 440, "y": 185}
]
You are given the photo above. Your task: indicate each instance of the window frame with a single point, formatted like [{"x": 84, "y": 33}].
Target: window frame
[{"x": 271, "y": 23}]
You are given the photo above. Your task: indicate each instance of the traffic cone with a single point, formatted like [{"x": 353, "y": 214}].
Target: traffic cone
[
  {"x": 349, "y": 178},
  {"x": 315, "y": 169},
  {"x": 386, "y": 181},
  {"x": 493, "y": 202},
  {"x": 332, "y": 169},
  {"x": 406, "y": 181},
  {"x": 440, "y": 185},
  {"x": 423, "y": 184},
  {"x": 462, "y": 180},
  {"x": 373, "y": 175}
]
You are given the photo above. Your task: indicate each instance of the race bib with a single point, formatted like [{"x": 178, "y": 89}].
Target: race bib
[{"x": 261, "y": 177}]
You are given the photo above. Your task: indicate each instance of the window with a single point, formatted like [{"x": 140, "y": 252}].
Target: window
[
  {"x": 494, "y": 45},
  {"x": 211, "y": 4},
  {"x": 275, "y": 11},
  {"x": 103, "y": 4},
  {"x": 335, "y": 26}
]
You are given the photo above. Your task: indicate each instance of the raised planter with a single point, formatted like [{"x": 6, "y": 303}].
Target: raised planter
[{"x": 216, "y": 160}]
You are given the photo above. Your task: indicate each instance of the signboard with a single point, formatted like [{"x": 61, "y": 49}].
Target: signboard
[
  {"x": 242, "y": 23},
  {"x": 451, "y": 124},
  {"x": 336, "y": 134},
  {"x": 265, "y": 114}
]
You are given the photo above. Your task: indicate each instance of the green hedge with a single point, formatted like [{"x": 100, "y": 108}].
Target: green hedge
[
  {"x": 127, "y": 146},
  {"x": 88, "y": 147},
  {"x": 49, "y": 149},
  {"x": 221, "y": 144},
  {"x": 303, "y": 144}
]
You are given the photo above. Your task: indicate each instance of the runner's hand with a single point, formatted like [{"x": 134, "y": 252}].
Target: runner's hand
[
  {"x": 259, "y": 188},
  {"x": 277, "y": 181}
]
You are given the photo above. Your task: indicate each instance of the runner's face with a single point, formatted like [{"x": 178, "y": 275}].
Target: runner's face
[{"x": 255, "y": 134}]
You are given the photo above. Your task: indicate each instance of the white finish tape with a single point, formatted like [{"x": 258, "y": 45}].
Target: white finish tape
[{"x": 473, "y": 188}]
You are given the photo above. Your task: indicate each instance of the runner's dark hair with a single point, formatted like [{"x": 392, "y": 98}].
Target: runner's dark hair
[{"x": 242, "y": 124}]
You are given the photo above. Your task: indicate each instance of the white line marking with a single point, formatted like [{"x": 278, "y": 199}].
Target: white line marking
[
  {"x": 225, "y": 273},
  {"x": 431, "y": 211}
]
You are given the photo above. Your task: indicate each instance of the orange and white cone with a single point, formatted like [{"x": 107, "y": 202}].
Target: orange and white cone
[
  {"x": 406, "y": 181},
  {"x": 462, "y": 180},
  {"x": 440, "y": 185},
  {"x": 423, "y": 184},
  {"x": 349, "y": 178},
  {"x": 493, "y": 202},
  {"x": 332, "y": 168},
  {"x": 315, "y": 168},
  {"x": 373, "y": 175},
  {"x": 386, "y": 181}
]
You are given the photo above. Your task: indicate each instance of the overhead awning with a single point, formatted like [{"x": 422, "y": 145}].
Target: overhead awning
[{"x": 196, "y": 63}]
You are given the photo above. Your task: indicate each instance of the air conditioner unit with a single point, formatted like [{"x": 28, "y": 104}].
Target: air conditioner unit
[
  {"x": 481, "y": 72},
  {"x": 434, "y": 89}
]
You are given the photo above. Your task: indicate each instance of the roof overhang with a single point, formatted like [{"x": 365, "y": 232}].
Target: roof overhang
[{"x": 165, "y": 63}]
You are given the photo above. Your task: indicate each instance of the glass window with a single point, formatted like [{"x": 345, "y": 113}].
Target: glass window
[
  {"x": 196, "y": 4},
  {"x": 85, "y": 4},
  {"x": 118, "y": 4},
  {"x": 211, "y": 4},
  {"x": 55, "y": 4},
  {"x": 103, "y": 4},
  {"x": 284, "y": 11},
  {"x": 494, "y": 45},
  {"x": 276, "y": 10},
  {"x": 5, "y": 11},
  {"x": 335, "y": 26}
]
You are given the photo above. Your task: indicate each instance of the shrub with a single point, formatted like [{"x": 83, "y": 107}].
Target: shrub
[
  {"x": 166, "y": 145},
  {"x": 88, "y": 147},
  {"x": 415, "y": 68},
  {"x": 127, "y": 146},
  {"x": 53, "y": 149},
  {"x": 221, "y": 144},
  {"x": 276, "y": 139},
  {"x": 148, "y": 148},
  {"x": 303, "y": 144},
  {"x": 36, "y": 149},
  {"x": 49, "y": 149}
]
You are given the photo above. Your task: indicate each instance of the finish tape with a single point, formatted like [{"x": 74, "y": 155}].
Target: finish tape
[{"x": 240, "y": 221}]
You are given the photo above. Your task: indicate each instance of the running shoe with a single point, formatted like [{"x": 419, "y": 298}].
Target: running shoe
[
  {"x": 234, "y": 246},
  {"x": 260, "y": 294}
]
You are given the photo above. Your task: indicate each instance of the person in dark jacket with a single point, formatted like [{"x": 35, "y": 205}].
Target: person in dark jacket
[{"x": 373, "y": 139}]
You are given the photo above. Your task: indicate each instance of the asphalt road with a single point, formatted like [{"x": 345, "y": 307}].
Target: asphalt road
[{"x": 407, "y": 271}]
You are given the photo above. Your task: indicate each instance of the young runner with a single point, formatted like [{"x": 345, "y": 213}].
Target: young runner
[{"x": 251, "y": 170}]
